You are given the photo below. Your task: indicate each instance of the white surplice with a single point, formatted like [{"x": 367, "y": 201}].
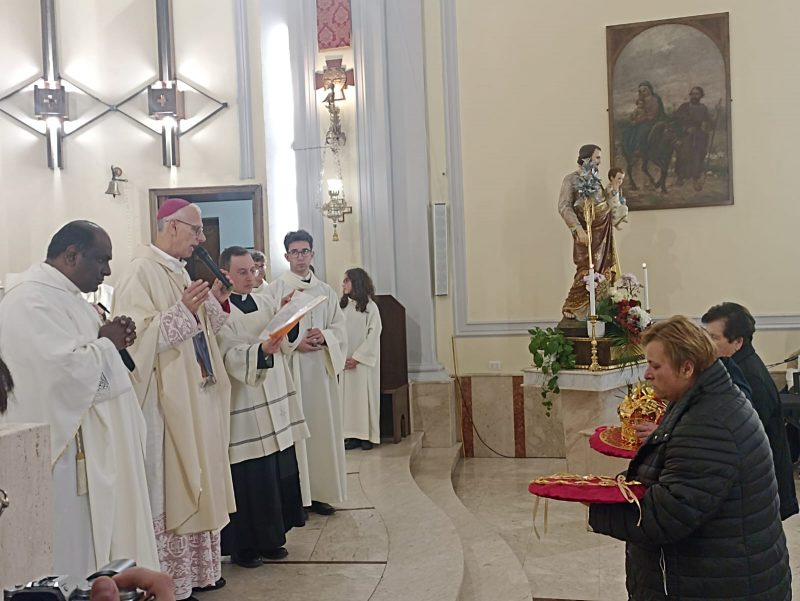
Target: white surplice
[
  {"x": 320, "y": 458},
  {"x": 360, "y": 387},
  {"x": 69, "y": 378},
  {"x": 266, "y": 415}
]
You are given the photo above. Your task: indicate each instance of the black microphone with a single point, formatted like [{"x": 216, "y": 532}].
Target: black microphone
[{"x": 202, "y": 254}]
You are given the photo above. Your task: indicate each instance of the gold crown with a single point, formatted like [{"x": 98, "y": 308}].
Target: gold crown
[{"x": 639, "y": 405}]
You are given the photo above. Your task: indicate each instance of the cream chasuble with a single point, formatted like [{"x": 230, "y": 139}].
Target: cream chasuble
[
  {"x": 266, "y": 416},
  {"x": 320, "y": 457},
  {"x": 360, "y": 387},
  {"x": 197, "y": 489},
  {"x": 69, "y": 378}
]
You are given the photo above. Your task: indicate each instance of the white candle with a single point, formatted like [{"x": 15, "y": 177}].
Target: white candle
[
  {"x": 646, "y": 289},
  {"x": 591, "y": 292}
]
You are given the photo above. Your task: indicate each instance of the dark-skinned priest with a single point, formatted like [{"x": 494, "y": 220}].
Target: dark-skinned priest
[
  {"x": 266, "y": 421},
  {"x": 68, "y": 373},
  {"x": 184, "y": 391}
]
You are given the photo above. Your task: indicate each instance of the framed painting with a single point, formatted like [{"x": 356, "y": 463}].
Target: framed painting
[{"x": 669, "y": 98}]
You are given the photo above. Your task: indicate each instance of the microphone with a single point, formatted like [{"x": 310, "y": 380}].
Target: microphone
[{"x": 202, "y": 254}]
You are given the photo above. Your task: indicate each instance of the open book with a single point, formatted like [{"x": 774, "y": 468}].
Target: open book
[{"x": 290, "y": 314}]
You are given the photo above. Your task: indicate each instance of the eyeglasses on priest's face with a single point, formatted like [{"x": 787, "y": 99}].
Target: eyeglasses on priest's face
[
  {"x": 197, "y": 229},
  {"x": 299, "y": 252}
]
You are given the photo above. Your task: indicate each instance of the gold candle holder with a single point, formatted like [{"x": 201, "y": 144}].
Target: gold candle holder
[{"x": 594, "y": 366}]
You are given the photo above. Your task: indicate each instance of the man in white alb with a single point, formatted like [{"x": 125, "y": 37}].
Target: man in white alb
[
  {"x": 317, "y": 357},
  {"x": 68, "y": 373}
]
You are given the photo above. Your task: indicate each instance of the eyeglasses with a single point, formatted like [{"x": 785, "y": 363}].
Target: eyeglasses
[
  {"x": 197, "y": 229},
  {"x": 299, "y": 253}
]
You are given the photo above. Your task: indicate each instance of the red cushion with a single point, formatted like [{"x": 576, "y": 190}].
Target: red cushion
[{"x": 590, "y": 489}]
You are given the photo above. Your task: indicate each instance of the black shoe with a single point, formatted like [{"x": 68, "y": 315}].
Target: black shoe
[
  {"x": 321, "y": 508},
  {"x": 366, "y": 445},
  {"x": 274, "y": 554},
  {"x": 211, "y": 587},
  {"x": 247, "y": 559},
  {"x": 351, "y": 443},
  {"x": 305, "y": 515}
]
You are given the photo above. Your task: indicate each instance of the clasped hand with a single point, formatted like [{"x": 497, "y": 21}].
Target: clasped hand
[
  {"x": 121, "y": 331},
  {"x": 312, "y": 341}
]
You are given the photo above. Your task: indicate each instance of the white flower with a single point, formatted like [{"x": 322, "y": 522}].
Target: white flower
[
  {"x": 629, "y": 280},
  {"x": 639, "y": 317},
  {"x": 619, "y": 294},
  {"x": 599, "y": 278}
]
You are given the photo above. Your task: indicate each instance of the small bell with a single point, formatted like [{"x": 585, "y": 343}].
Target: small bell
[
  {"x": 113, "y": 185},
  {"x": 113, "y": 188}
]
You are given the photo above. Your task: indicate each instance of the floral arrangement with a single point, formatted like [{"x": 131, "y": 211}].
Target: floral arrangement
[
  {"x": 588, "y": 184},
  {"x": 623, "y": 314}
]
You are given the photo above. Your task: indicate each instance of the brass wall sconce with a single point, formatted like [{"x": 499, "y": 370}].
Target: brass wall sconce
[
  {"x": 334, "y": 79},
  {"x": 336, "y": 207}
]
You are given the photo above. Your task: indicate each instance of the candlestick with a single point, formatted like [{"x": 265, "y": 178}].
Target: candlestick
[
  {"x": 646, "y": 289},
  {"x": 591, "y": 292},
  {"x": 594, "y": 365}
]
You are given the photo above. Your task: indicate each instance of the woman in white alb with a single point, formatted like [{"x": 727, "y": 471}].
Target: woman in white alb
[{"x": 359, "y": 384}]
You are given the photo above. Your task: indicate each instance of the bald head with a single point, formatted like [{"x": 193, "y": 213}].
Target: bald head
[
  {"x": 81, "y": 234},
  {"x": 81, "y": 250}
]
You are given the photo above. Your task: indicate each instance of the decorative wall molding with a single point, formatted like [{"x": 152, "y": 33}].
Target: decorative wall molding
[
  {"x": 405, "y": 52},
  {"x": 303, "y": 48},
  {"x": 247, "y": 169},
  {"x": 374, "y": 147}
]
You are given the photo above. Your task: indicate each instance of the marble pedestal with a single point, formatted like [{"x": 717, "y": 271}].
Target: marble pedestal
[
  {"x": 587, "y": 400},
  {"x": 26, "y": 527}
]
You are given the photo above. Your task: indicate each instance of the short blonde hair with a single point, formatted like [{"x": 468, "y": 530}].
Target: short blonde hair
[{"x": 682, "y": 341}]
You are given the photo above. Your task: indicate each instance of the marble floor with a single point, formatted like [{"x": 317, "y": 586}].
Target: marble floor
[
  {"x": 365, "y": 551},
  {"x": 339, "y": 558},
  {"x": 567, "y": 562}
]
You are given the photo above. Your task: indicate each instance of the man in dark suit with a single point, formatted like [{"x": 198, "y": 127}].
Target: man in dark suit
[{"x": 731, "y": 327}]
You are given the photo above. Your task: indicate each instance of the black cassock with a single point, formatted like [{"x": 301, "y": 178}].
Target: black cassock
[{"x": 267, "y": 489}]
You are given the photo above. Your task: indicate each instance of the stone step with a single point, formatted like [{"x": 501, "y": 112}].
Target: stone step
[
  {"x": 426, "y": 561},
  {"x": 491, "y": 570}
]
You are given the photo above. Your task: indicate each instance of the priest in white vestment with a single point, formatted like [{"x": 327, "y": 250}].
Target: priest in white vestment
[
  {"x": 317, "y": 358},
  {"x": 360, "y": 382},
  {"x": 66, "y": 365},
  {"x": 185, "y": 395},
  {"x": 266, "y": 421}
]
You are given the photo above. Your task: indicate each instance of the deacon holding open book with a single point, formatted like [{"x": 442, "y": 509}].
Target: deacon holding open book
[
  {"x": 266, "y": 422},
  {"x": 317, "y": 357}
]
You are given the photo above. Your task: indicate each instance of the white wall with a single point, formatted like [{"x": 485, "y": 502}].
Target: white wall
[{"x": 109, "y": 47}]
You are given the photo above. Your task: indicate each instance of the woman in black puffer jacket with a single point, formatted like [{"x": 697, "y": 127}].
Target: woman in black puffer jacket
[{"x": 710, "y": 524}]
